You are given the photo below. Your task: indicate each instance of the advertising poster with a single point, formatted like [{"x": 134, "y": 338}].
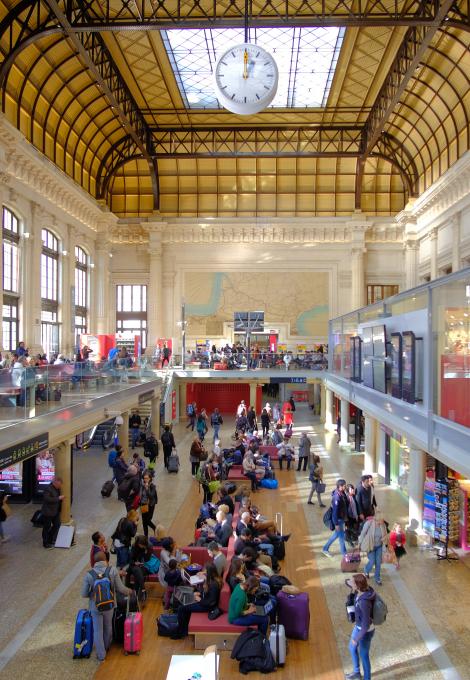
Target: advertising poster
[
  {"x": 281, "y": 347},
  {"x": 173, "y": 405},
  {"x": 11, "y": 479},
  {"x": 45, "y": 468},
  {"x": 301, "y": 349}
]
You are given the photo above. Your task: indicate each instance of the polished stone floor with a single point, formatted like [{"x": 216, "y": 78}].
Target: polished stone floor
[{"x": 426, "y": 635}]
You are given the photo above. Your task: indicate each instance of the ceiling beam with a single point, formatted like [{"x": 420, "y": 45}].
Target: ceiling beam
[{"x": 415, "y": 43}]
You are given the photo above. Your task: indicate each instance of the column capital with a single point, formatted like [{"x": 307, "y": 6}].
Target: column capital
[
  {"x": 433, "y": 233},
  {"x": 5, "y": 178},
  {"x": 411, "y": 242}
]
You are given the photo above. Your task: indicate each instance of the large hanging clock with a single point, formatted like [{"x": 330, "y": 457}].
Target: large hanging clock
[{"x": 246, "y": 79}]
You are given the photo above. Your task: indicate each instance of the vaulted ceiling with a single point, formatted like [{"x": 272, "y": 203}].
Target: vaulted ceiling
[{"x": 92, "y": 85}]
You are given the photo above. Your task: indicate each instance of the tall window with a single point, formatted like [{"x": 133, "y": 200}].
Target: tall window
[
  {"x": 49, "y": 292},
  {"x": 379, "y": 292},
  {"x": 10, "y": 279},
  {"x": 81, "y": 291},
  {"x": 131, "y": 311}
]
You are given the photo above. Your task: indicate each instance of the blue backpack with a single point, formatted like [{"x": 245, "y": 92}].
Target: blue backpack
[
  {"x": 103, "y": 594},
  {"x": 112, "y": 455}
]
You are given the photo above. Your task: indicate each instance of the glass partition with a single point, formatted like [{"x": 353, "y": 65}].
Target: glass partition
[
  {"x": 350, "y": 329},
  {"x": 408, "y": 304}
]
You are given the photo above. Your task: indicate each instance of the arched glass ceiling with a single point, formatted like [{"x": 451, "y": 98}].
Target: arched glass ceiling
[{"x": 306, "y": 59}]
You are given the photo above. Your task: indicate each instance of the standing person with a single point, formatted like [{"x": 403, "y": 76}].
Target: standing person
[
  {"x": 365, "y": 498},
  {"x": 241, "y": 423},
  {"x": 191, "y": 412},
  {"x": 112, "y": 456},
  {"x": 3, "y": 515},
  {"x": 288, "y": 418},
  {"x": 128, "y": 489},
  {"x": 102, "y": 618},
  {"x": 338, "y": 429},
  {"x": 265, "y": 420},
  {"x": 216, "y": 422},
  {"x": 201, "y": 425},
  {"x": 251, "y": 418},
  {"x": 151, "y": 451},
  {"x": 120, "y": 465},
  {"x": 195, "y": 452},
  {"x": 316, "y": 478},
  {"x": 363, "y": 631},
  {"x": 352, "y": 523},
  {"x": 166, "y": 354},
  {"x": 98, "y": 545},
  {"x": 397, "y": 541},
  {"x": 168, "y": 443},
  {"x": 372, "y": 539},
  {"x": 277, "y": 415},
  {"x": 148, "y": 501},
  {"x": 339, "y": 507},
  {"x": 304, "y": 451},
  {"x": 122, "y": 537},
  {"x": 135, "y": 421},
  {"x": 292, "y": 403},
  {"x": 241, "y": 409},
  {"x": 51, "y": 505}
]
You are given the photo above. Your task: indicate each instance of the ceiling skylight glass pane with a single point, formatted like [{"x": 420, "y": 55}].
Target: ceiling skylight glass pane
[{"x": 306, "y": 59}]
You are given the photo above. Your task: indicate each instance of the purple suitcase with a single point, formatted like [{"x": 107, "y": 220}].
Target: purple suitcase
[{"x": 293, "y": 612}]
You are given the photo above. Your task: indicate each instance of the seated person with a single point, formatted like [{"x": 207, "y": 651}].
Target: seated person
[
  {"x": 140, "y": 553},
  {"x": 218, "y": 558},
  {"x": 205, "y": 602},
  {"x": 285, "y": 451},
  {"x": 240, "y": 613},
  {"x": 223, "y": 529},
  {"x": 264, "y": 551},
  {"x": 249, "y": 470},
  {"x": 226, "y": 510},
  {"x": 168, "y": 552},
  {"x": 223, "y": 498},
  {"x": 258, "y": 522},
  {"x": 237, "y": 573},
  {"x": 160, "y": 535},
  {"x": 172, "y": 578},
  {"x": 276, "y": 436}
]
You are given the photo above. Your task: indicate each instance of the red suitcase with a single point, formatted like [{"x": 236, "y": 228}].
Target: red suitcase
[
  {"x": 293, "y": 612},
  {"x": 133, "y": 632}
]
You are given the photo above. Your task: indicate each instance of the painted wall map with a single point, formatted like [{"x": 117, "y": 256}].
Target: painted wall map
[{"x": 300, "y": 298}]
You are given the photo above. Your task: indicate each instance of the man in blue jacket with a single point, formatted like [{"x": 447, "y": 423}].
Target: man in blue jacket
[{"x": 339, "y": 509}]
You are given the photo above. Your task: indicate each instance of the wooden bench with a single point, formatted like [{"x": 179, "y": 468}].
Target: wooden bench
[
  {"x": 271, "y": 450},
  {"x": 235, "y": 474}
]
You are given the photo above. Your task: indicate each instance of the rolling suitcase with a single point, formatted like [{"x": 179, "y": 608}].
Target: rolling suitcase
[
  {"x": 107, "y": 488},
  {"x": 294, "y": 614},
  {"x": 83, "y": 639},
  {"x": 123, "y": 607},
  {"x": 173, "y": 464},
  {"x": 133, "y": 632},
  {"x": 277, "y": 642}
]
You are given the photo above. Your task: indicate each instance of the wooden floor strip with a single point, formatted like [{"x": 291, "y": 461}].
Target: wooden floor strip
[{"x": 316, "y": 658}]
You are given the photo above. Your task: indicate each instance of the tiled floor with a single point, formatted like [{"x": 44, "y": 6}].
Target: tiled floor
[{"x": 40, "y": 589}]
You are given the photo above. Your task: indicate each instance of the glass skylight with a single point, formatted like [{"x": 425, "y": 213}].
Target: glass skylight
[{"x": 306, "y": 59}]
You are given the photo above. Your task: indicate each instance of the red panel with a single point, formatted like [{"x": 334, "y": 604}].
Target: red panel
[
  {"x": 259, "y": 398},
  {"x": 455, "y": 390},
  {"x": 224, "y": 396}
]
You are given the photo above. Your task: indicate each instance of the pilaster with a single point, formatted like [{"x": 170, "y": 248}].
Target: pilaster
[
  {"x": 155, "y": 287},
  {"x": 433, "y": 233},
  {"x": 455, "y": 224}
]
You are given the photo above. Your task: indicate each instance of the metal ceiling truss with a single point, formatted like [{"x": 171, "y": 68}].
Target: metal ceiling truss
[{"x": 257, "y": 142}]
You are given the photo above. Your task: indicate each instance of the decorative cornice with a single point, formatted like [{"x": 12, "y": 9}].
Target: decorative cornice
[{"x": 24, "y": 163}]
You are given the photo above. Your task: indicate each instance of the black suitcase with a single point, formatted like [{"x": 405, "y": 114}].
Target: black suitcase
[
  {"x": 107, "y": 488},
  {"x": 167, "y": 625}
]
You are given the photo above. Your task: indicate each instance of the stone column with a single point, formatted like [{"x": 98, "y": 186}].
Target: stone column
[
  {"x": 416, "y": 479},
  {"x": 369, "y": 445},
  {"x": 317, "y": 399},
  {"x": 4, "y": 179},
  {"x": 456, "y": 262},
  {"x": 155, "y": 288},
  {"x": 31, "y": 290},
  {"x": 253, "y": 387},
  {"x": 380, "y": 451},
  {"x": 63, "y": 469},
  {"x": 411, "y": 246},
  {"x": 344, "y": 439},
  {"x": 67, "y": 262},
  {"x": 329, "y": 424},
  {"x": 168, "y": 303},
  {"x": 124, "y": 434},
  {"x": 323, "y": 404},
  {"x": 358, "y": 284},
  {"x": 433, "y": 253},
  {"x": 155, "y": 416}
]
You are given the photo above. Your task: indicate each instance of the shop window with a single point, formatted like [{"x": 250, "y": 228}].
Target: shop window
[
  {"x": 131, "y": 311},
  {"x": 375, "y": 293}
]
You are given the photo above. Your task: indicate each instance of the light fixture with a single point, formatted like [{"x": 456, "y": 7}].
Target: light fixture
[
  {"x": 26, "y": 234},
  {"x": 92, "y": 266},
  {"x": 65, "y": 253}
]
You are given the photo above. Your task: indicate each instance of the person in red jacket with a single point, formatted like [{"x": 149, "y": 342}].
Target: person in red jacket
[{"x": 397, "y": 541}]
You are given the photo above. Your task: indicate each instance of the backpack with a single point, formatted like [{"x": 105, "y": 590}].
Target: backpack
[
  {"x": 103, "y": 594},
  {"x": 166, "y": 439},
  {"x": 112, "y": 455},
  {"x": 328, "y": 519},
  {"x": 124, "y": 488},
  {"x": 379, "y": 611},
  {"x": 252, "y": 651}
]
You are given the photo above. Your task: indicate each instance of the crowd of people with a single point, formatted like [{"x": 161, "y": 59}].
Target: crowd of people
[{"x": 237, "y": 356}]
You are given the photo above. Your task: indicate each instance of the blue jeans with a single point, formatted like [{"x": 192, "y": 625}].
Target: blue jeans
[
  {"x": 135, "y": 436},
  {"x": 122, "y": 556},
  {"x": 267, "y": 547},
  {"x": 361, "y": 652},
  {"x": 375, "y": 560},
  {"x": 337, "y": 534},
  {"x": 216, "y": 432},
  {"x": 102, "y": 631},
  {"x": 252, "y": 619}
]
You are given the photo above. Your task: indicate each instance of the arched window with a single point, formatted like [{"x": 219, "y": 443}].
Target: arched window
[
  {"x": 10, "y": 279},
  {"x": 81, "y": 291},
  {"x": 49, "y": 292}
]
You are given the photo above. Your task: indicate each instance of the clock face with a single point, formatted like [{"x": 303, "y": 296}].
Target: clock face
[{"x": 246, "y": 79}]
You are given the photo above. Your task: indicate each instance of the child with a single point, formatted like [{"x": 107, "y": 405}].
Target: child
[
  {"x": 397, "y": 541},
  {"x": 173, "y": 578},
  {"x": 138, "y": 462}
]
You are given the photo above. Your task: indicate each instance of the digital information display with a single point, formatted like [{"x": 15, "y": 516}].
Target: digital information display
[
  {"x": 11, "y": 479},
  {"x": 45, "y": 468},
  {"x": 26, "y": 449}
]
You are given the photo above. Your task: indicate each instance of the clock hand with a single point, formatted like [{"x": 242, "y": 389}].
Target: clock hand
[{"x": 245, "y": 65}]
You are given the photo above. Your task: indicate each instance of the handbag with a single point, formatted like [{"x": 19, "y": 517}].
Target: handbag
[
  {"x": 203, "y": 455},
  {"x": 321, "y": 488},
  {"x": 350, "y": 608},
  {"x": 152, "y": 564},
  {"x": 144, "y": 508},
  {"x": 213, "y": 486},
  {"x": 136, "y": 502},
  {"x": 214, "y": 614},
  {"x": 388, "y": 557}
]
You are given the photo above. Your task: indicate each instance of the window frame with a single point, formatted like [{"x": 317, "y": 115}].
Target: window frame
[{"x": 132, "y": 320}]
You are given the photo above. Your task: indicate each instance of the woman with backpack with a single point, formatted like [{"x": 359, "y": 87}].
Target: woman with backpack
[
  {"x": 363, "y": 631},
  {"x": 201, "y": 425},
  {"x": 316, "y": 478}
]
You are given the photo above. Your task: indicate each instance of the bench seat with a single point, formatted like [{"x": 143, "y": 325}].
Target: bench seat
[
  {"x": 271, "y": 450},
  {"x": 235, "y": 474},
  {"x": 219, "y": 632}
]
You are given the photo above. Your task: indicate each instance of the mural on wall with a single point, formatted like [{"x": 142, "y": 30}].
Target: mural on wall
[{"x": 300, "y": 298}]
